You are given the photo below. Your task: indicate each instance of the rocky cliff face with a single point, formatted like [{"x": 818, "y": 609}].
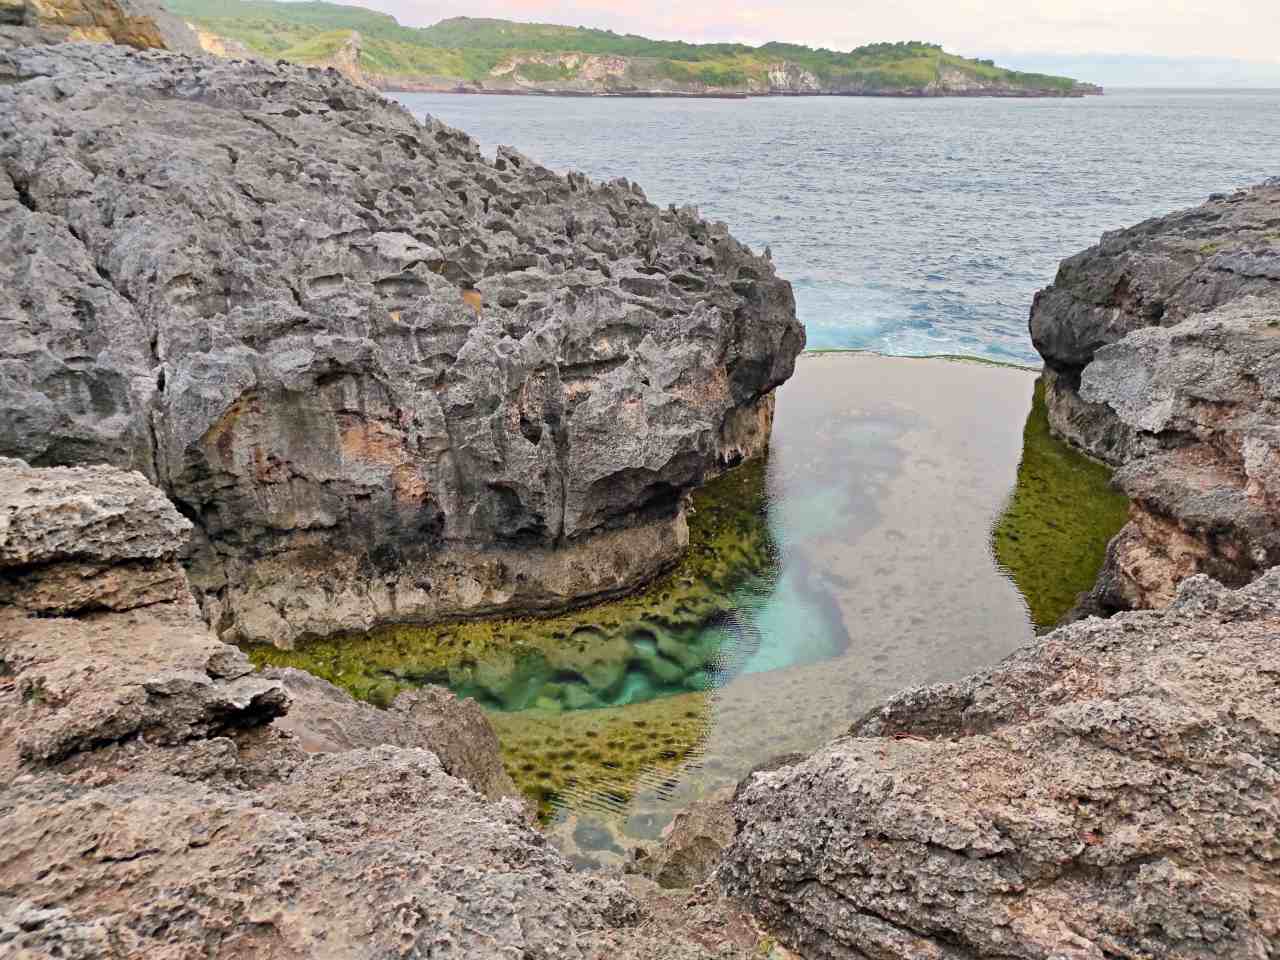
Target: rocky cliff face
[
  {"x": 1160, "y": 346},
  {"x": 1108, "y": 792},
  {"x": 155, "y": 801},
  {"x": 384, "y": 377}
]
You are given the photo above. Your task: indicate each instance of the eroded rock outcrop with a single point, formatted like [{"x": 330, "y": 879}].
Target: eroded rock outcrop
[
  {"x": 1111, "y": 791},
  {"x": 1159, "y": 347},
  {"x": 154, "y": 803},
  {"x": 386, "y": 378},
  {"x": 325, "y": 719}
]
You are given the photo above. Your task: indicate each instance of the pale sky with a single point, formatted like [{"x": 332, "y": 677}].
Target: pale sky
[{"x": 1219, "y": 29}]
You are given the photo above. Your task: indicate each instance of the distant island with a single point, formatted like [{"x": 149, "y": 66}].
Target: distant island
[{"x": 466, "y": 55}]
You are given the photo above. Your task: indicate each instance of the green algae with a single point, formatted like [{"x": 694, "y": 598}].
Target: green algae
[
  {"x": 649, "y": 644},
  {"x": 1052, "y": 537},
  {"x": 599, "y": 758}
]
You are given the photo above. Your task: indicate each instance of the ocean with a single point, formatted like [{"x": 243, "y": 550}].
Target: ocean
[{"x": 907, "y": 226}]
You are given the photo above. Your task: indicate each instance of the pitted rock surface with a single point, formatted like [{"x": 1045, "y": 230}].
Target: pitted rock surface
[
  {"x": 150, "y": 805},
  {"x": 387, "y": 378},
  {"x": 1110, "y": 791},
  {"x": 1160, "y": 347},
  {"x": 87, "y": 538},
  {"x": 144, "y": 24},
  {"x": 1159, "y": 273},
  {"x": 325, "y": 719}
]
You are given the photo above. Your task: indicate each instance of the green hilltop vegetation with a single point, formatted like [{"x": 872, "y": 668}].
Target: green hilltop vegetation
[{"x": 466, "y": 52}]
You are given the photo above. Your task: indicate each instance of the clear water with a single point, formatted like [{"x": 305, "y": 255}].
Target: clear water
[
  {"x": 906, "y": 226},
  {"x": 883, "y": 482}
]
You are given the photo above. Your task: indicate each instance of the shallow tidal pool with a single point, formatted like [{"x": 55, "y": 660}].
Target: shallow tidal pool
[{"x": 858, "y": 559}]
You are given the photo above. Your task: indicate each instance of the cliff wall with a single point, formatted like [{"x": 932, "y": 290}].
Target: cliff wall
[
  {"x": 1160, "y": 347},
  {"x": 144, "y": 24},
  {"x": 387, "y": 379}
]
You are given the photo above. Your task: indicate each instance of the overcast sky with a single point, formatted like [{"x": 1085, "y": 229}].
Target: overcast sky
[{"x": 1206, "y": 29}]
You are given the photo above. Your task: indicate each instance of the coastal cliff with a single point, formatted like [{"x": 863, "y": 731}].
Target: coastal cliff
[
  {"x": 478, "y": 55},
  {"x": 387, "y": 379},
  {"x": 144, "y": 24},
  {"x": 1161, "y": 346}
]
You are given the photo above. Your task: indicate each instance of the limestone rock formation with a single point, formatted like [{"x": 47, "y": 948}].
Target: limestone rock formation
[
  {"x": 151, "y": 805},
  {"x": 324, "y": 719},
  {"x": 1159, "y": 347},
  {"x": 386, "y": 378},
  {"x": 690, "y": 848},
  {"x": 86, "y": 538},
  {"x": 1111, "y": 791}
]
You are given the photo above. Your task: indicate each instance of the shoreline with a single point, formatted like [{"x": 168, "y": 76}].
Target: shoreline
[
  {"x": 953, "y": 357},
  {"x": 728, "y": 95}
]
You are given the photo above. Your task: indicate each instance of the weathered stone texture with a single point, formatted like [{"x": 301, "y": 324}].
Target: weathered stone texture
[
  {"x": 151, "y": 805},
  {"x": 144, "y": 24},
  {"x": 1111, "y": 791},
  {"x": 387, "y": 378},
  {"x": 1160, "y": 349},
  {"x": 324, "y": 719}
]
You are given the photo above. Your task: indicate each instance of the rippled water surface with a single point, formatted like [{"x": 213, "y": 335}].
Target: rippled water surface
[
  {"x": 881, "y": 488},
  {"x": 906, "y": 226}
]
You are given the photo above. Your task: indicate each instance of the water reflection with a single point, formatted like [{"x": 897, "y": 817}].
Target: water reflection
[
  {"x": 854, "y": 562},
  {"x": 882, "y": 485}
]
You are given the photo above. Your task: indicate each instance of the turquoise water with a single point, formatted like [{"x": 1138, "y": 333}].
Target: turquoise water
[{"x": 905, "y": 226}]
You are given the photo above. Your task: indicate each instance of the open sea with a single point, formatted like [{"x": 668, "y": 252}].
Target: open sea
[{"x": 906, "y": 226}]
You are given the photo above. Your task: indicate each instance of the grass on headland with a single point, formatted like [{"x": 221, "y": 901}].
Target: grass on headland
[{"x": 467, "y": 49}]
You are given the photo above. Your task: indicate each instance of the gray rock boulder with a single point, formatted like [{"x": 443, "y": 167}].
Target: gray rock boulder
[
  {"x": 150, "y": 806},
  {"x": 1159, "y": 349},
  {"x": 1202, "y": 403},
  {"x": 145, "y": 24},
  {"x": 324, "y": 719},
  {"x": 79, "y": 539},
  {"x": 1110, "y": 791},
  {"x": 386, "y": 378},
  {"x": 1158, "y": 273}
]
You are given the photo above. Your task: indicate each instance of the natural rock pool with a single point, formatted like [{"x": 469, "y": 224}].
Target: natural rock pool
[{"x": 858, "y": 559}]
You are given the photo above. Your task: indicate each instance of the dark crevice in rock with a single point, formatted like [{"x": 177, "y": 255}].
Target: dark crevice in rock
[{"x": 24, "y": 194}]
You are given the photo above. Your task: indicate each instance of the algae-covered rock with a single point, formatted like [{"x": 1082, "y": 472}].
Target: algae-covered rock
[
  {"x": 1052, "y": 536},
  {"x": 647, "y": 644},
  {"x": 1159, "y": 346}
]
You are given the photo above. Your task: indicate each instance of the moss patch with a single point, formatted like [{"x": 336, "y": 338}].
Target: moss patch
[
  {"x": 600, "y": 758},
  {"x": 1052, "y": 537},
  {"x": 653, "y": 643}
]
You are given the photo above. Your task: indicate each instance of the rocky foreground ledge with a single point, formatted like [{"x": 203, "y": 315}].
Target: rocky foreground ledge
[
  {"x": 385, "y": 378},
  {"x": 1162, "y": 358},
  {"x": 1111, "y": 791},
  {"x": 159, "y": 799}
]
